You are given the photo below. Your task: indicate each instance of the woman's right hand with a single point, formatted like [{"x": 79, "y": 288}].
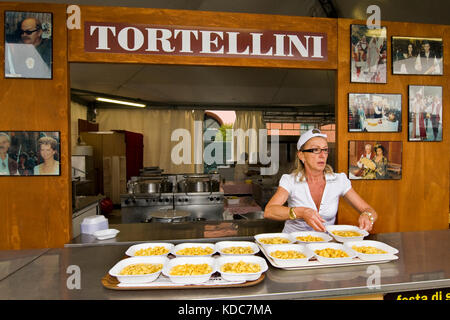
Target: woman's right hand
[{"x": 313, "y": 219}]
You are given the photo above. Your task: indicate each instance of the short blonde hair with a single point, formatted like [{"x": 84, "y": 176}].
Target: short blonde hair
[{"x": 48, "y": 141}]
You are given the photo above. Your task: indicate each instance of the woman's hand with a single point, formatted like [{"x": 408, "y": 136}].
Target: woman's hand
[
  {"x": 365, "y": 223},
  {"x": 312, "y": 218}
]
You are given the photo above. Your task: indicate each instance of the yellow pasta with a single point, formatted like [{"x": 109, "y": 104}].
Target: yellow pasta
[
  {"x": 140, "y": 268},
  {"x": 310, "y": 238},
  {"x": 346, "y": 233},
  {"x": 368, "y": 250},
  {"x": 190, "y": 269},
  {"x": 195, "y": 251},
  {"x": 290, "y": 254},
  {"x": 274, "y": 240},
  {"x": 331, "y": 253},
  {"x": 238, "y": 250},
  {"x": 240, "y": 267},
  {"x": 153, "y": 251}
]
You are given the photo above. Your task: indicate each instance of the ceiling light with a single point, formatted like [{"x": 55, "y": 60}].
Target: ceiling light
[{"x": 133, "y": 104}]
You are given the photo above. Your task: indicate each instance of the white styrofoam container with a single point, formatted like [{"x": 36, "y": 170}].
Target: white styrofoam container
[
  {"x": 195, "y": 279},
  {"x": 229, "y": 276},
  {"x": 287, "y": 236},
  {"x": 93, "y": 223},
  {"x": 344, "y": 227},
  {"x": 371, "y": 243},
  {"x": 181, "y": 246},
  {"x": 132, "y": 250},
  {"x": 141, "y": 278},
  {"x": 320, "y": 246},
  {"x": 106, "y": 234},
  {"x": 221, "y": 245},
  {"x": 326, "y": 237},
  {"x": 290, "y": 247}
]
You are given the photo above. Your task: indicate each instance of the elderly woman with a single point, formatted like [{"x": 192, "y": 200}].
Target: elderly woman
[
  {"x": 47, "y": 149},
  {"x": 313, "y": 190}
]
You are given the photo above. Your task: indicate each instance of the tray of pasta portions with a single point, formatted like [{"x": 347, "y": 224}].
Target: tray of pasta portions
[
  {"x": 342, "y": 245},
  {"x": 187, "y": 265}
]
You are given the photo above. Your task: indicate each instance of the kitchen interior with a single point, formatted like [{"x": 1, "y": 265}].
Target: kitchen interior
[{"x": 115, "y": 177}]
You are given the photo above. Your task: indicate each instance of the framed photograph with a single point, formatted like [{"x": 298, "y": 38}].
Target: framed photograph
[
  {"x": 375, "y": 160},
  {"x": 28, "y": 45},
  {"x": 425, "y": 113},
  {"x": 420, "y": 56},
  {"x": 368, "y": 54},
  {"x": 30, "y": 153},
  {"x": 374, "y": 112}
]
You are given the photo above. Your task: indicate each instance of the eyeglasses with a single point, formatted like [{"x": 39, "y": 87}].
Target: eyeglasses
[
  {"x": 316, "y": 150},
  {"x": 28, "y": 32}
]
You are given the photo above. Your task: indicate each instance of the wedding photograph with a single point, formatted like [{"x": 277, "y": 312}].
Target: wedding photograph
[{"x": 368, "y": 54}]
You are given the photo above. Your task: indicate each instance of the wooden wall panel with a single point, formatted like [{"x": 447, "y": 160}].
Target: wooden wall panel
[
  {"x": 420, "y": 200},
  {"x": 201, "y": 19},
  {"x": 35, "y": 212}
]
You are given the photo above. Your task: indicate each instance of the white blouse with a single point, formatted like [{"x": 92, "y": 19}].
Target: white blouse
[{"x": 337, "y": 185}]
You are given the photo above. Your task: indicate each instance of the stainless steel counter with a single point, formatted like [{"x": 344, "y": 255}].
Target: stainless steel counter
[
  {"x": 424, "y": 263},
  {"x": 205, "y": 230}
]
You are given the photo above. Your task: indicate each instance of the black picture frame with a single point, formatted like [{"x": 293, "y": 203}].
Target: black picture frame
[
  {"x": 368, "y": 54},
  {"x": 374, "y": 112},
  {"x": 425, "y": 111},
  {"x": 362, "y": 166},
  {"x": 27, "y": 151},
  {"x": 28, "y": 44},
  {"x": 409, "y": 56}
]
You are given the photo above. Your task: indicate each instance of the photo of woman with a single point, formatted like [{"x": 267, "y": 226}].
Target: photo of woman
[
  {"x": 47, "y": 150},
  {"x": 375, "y": 160},
  {"x": 28, "y": 153}
]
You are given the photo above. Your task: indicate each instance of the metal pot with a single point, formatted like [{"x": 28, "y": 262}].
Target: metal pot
[
  {"x": 148, "y": 186},
  {"x": 195, "y": 183},
  {"x": 169, "y": 216}
]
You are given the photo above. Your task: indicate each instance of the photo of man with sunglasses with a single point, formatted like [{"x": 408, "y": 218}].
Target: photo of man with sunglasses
[
  {"x": 30, "y": 31},
  {"x": 28, "y": 45}
]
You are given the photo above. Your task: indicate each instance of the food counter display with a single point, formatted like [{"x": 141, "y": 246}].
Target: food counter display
[{"x": 423, "y": 262}]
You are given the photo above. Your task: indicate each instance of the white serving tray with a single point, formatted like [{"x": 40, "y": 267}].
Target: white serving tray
[{"x": 313, "y": 263}]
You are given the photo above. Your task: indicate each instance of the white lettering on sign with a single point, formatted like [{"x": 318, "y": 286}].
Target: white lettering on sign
[
  {"x": 120, "y": 38},
  {"x": 186, "y": 39},
  {"x": 138, "y": 38},
  {"x": 102, "y": 43}
]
